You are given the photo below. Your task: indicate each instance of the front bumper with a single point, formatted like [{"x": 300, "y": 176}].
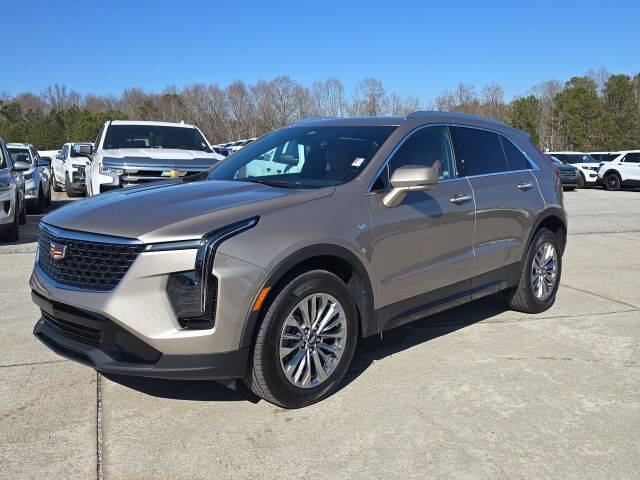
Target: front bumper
[
  {"x": 96, "y": 341},
  {"x": 139, "y": 309}
]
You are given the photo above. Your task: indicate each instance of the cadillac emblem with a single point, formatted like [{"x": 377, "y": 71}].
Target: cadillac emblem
[{"x": 58, "y": 251}]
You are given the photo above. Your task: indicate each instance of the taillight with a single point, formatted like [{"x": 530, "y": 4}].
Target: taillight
[{"x": 546, "y": 158}]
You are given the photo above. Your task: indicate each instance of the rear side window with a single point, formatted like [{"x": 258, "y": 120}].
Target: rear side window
[
  {"x": 515, "y": 158},
  {"x": 632, "y": 157},
  {"x": 478, "y": 152}
]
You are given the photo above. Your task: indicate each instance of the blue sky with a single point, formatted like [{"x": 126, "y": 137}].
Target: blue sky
[{"x": 414, "y": 47}]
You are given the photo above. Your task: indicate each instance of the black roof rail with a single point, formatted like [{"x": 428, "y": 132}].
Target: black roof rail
[
  {"x": 311, "y": 119},
  {"x": 428, "y": 113}
]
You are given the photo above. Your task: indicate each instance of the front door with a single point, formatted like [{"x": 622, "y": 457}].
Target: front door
[
  {"x": 422, "y": 248},
  {"x": 630, "y": 168}
]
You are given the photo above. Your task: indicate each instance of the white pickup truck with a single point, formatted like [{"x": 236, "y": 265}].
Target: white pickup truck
[{"x": 128, "y": 153}]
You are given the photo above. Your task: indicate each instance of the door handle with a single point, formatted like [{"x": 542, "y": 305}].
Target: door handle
[
  {"x": 460, "y": 198},
  {"x": 525, "y": 186}
]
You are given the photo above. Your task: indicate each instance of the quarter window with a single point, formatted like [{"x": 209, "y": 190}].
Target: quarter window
[
  {"x": 515, "y": 158},
  {"x": 478, "y": 152},
  {"x": 428, "y": 147},
  {"x": 632, "y": 157}
]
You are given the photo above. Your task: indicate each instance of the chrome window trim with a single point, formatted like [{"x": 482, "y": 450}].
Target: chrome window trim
[
  {"x": 533, "y": 164},
  {"x": 88, "y": 237}
]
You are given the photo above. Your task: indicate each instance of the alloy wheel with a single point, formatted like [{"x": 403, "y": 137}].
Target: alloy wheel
[
  {"x": 544, "y": 271},
  {"x": 313, "y": 340}
]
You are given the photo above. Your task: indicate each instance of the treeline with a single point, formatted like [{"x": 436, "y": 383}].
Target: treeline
[{"x": 597, "y": 111}]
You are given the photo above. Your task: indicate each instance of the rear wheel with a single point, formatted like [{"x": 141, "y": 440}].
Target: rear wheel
[
  {"x": 38, "y": 206},
  {"x": 612, "y": 181},
  {"x": 22, "y": 217},
  {"x": 47, "y": 200},
  {"x": 540, "y": 276},
  {"x": 305, "y": 342},
  {"x": 581, "y": 180}
]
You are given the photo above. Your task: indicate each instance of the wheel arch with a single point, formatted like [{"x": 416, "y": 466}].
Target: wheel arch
[
  {"x": 555, "y": 220},
  {"x": 332, "y": 258},
  {"x": 610, "y": 171}
]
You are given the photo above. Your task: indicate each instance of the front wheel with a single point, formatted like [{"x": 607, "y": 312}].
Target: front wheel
[
  {"x": 54, "y": 184},
  {"x": 540, "y": 276},
  {"x": 305, "y": 342},
  {"x": 612, "y": 182}
]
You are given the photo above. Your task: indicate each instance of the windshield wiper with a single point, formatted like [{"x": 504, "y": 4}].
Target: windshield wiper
[{"x": 272, "y": 183}]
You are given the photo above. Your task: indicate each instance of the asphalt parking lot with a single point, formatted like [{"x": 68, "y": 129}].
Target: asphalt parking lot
[{"x": 475, "y": 392}]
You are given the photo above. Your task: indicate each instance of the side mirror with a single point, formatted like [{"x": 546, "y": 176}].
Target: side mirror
[
  {"x": 409, "y": 178},
  {"x": 83, "y": 150},
  {"x": 21, "y": 166}
]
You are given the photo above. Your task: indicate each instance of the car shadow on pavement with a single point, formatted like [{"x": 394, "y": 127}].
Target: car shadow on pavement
[
  {"x": 30, "y": 231},
  {"x": 369, "y": 350},
  {"x": 402, "y": 338}
]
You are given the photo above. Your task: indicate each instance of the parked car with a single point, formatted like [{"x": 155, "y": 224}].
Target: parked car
[
  {"x": 623, "y": 171},
  {"x": 130, "y": 153},
  {"x": 69, "y": 170},
  {"x": 50, "y": 155},
  {"x": 273, "y": 277},
  {"x": 37, "y": 178},
  {"x": 569, "y": 175},
  {"x": 12, "y": 209},
  {"x": 586, "y": 164}
]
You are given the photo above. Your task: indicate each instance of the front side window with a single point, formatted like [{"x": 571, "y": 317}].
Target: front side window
[
  {"x": 478, "y": 152},
  {"x": 632, "y": 157},
  {"x": 304, "y": 157},
  {"x": 20, "y": 154},
  {"x": 154, "y": 136},
  {"x": 515, "y": 158},
  {"x": 428, "y": 147}
]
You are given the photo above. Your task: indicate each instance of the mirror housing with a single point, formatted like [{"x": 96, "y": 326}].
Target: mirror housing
[
  {"x": 410, "y": 178},
  {"x": 21, "y": 166},
  {"x": 83, "y": 150}
]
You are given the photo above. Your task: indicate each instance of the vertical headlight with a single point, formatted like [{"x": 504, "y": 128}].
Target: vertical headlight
[{"x": 193, "y": 294}]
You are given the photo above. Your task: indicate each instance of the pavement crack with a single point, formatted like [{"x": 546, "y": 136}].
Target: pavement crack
[
  {"x": 32, "y": 363},
  {"x": 600, "y": 296},
  {"x": 99, "y": 433}
]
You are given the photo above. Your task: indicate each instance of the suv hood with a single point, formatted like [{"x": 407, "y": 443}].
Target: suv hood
[
  {"x": 176, "y": 210},
  {"x": 157, "y": 156}
]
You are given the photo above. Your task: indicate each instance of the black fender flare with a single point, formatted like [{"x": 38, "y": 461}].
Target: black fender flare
[
  {"x": 610, "y": 171},
  {"x": 542, "y": 216},
  {"x": 365, "y": 303}
]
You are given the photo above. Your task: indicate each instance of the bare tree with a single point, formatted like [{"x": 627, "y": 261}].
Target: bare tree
[
  {"x": 369, "y": 98},
  {"x": 545, "y": 92},
  {"x": 493, "y": 101},
  {"x": 599, "y": 77},
  {"x": 328, "y": 97}
]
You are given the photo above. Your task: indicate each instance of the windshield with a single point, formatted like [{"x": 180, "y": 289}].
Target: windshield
[
  {"x": 580, "y": 158},
  {"x": 154, "y": 136},
  {"x": 19, "y": 154},
  {"x": 304, "y": 157},
  {"x": 73, "y": 154}
]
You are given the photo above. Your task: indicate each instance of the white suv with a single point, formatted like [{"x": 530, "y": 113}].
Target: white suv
[
  {"x": 130, "y": 153},
  {"x": 622, "y": 171},
  {"x": 586, "y": 164},
  {"x": 69, "y": 170},
  {"x": 37, "y": 179}
]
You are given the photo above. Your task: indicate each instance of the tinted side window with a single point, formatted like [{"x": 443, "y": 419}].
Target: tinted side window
[
  {"x": 427, "y": 147},
  {"x": 515, "y": 158},
  {"x": 478, "y": 152},
  {"x": 632, "y": 157}
]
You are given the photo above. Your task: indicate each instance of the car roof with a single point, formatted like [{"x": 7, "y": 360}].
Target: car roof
[
  {"x": 415, "y": 118},
  {"x": 146, "y": 122},
  {"x": 18, "y": 145}
]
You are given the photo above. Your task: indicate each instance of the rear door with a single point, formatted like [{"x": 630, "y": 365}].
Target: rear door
[
  {"x": 507, "y": 200},
  {"x": 58, "y": 164},
  {"x": 425, "y": 243}
]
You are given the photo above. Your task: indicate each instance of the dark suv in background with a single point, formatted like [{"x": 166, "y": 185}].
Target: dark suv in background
[{"x": 270, "y": 265}]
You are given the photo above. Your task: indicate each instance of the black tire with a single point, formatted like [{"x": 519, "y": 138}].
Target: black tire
[
  {"x": 54, "y": 185},
  {"x": 68, "y": 188},
  {"x": 521, "y": 298},
  {"x": 47, "y": 200},
  {"x": 265, "y": 376},
  {"x": 612, "y": 181},
  {"x": 22, "y": 218},
  {"x": 581, "y": 180},
  {"x": 568, "y": 189},
  {"x": 13, "y": 233}
]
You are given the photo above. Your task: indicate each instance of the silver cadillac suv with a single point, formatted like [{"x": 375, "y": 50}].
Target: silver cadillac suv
[{"x": 271, "y": 264}]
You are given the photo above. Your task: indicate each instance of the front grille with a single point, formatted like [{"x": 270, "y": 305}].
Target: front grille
[
  {"x": 568, "y": 174},
  {"x": 74, "y": 330},
  {"x": 89, "y": 265}
]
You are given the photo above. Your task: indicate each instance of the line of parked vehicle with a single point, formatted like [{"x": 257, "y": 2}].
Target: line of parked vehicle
[
  {"x": 612, "y": 170},
  {"x": 226, "y": 149}
]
